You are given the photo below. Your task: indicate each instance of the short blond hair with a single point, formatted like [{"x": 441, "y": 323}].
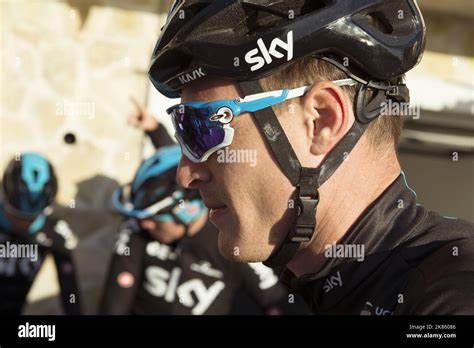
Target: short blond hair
[{"x": 383, "y": 131}]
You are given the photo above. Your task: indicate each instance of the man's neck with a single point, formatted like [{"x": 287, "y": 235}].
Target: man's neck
[{"x": 343, "y": 199}]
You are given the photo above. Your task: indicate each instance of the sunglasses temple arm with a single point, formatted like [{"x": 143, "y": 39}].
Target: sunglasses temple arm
[
  {"x": 299, "y": 92},
  {"x": 344, "y": 82}
]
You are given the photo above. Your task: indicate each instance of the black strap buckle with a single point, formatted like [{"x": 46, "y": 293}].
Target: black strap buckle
[
  {"x": 303, "y": 228},
  {"x": 399, "y": 92},
  {"x": 393, "y": 91}
]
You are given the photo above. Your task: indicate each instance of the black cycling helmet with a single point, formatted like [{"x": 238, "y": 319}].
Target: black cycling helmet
[
  {"x": 29, "y": 183},
  {"x": 226, "y": 38},
  {"x": 375, "y": 42}
]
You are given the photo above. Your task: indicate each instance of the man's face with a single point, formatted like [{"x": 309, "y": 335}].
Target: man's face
[
  {"x": 164, "y": 232},
  {"x": 248, "y": 201}
]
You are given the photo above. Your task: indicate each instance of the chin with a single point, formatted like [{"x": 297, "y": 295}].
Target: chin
[
  {"x": 230, "y": 245},
  {"x": 226, "y": 246},
  {"x": 234, "y": 250}
]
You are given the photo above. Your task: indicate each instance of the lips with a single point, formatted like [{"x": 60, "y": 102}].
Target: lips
[
  {"x": 214, "y": 206},
  {"x": 219, "y": 215},
  {"x": 211, "y": 203},
  {"x": 218, "y": 211}
]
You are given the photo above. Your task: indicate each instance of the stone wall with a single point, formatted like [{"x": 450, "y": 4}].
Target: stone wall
[{"x": 63, "y": 76}]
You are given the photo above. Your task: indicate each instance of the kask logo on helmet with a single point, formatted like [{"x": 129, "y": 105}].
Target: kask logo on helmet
[
  {"x": 259, "y": 61},
  {"x": 191, "y": 76}
]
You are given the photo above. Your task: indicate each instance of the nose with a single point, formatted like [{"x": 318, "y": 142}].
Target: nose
[{"x": 192, "y": 175}]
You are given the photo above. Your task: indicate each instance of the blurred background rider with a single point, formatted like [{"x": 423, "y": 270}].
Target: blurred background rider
[
  {"x": 29, "y": 189},
  {"x": 166, "y": 259}
]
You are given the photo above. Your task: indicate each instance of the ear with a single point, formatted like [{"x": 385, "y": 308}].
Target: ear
[{"x": 328, "y": 116}]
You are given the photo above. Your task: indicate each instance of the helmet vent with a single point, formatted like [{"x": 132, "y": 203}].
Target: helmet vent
[
  {"x": 380, "y": 22},
  {"x": 35, "y": 175},
  {"x": 262, "y": 16},
  {"x": 179, "y": 20}
]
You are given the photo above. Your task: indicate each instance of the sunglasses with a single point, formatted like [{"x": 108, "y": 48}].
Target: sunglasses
[
  {"x": 168, "y": 209},
  {"x": 202, "y": 128},
  {"x": 158, "y": 211}
]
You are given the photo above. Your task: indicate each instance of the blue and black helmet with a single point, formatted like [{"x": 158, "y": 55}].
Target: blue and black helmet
[
  {"x": 29, "y": 183},
  {"x": 155, "y": 193}
]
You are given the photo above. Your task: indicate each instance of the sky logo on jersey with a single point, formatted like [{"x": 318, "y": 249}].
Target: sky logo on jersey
[
  {"x": 192, "y": 293},
  {"x": 265, "y": 57},
  {"x": 12, "y": 266},
  {"x": 332, "y": 282}
]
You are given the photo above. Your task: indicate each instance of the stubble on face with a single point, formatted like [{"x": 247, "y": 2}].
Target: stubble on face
[{"x": 257, "y": 195}]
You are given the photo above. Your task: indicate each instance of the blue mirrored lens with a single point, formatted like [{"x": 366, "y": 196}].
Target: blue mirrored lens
[{"x": 195, "y": 131}]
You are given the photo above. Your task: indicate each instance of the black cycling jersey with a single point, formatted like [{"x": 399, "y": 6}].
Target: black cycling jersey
[
  {"x": 21, "y": 257},
  {"x": 191, "y": 277},
  {"x": 415, "y": 262}
]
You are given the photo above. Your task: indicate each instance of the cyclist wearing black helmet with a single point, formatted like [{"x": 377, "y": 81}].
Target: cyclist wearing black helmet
[
  {"x": 166, "y": 259},
  {"x": 28, "y": 233},
  {"x": 327, "y": 202}
]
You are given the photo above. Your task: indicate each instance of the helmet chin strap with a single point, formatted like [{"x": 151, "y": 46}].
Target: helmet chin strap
[
  {"x": 306, "y": 180},
  {"x": 177, "y": 244},
  {"x": 185, "y": 238}
]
